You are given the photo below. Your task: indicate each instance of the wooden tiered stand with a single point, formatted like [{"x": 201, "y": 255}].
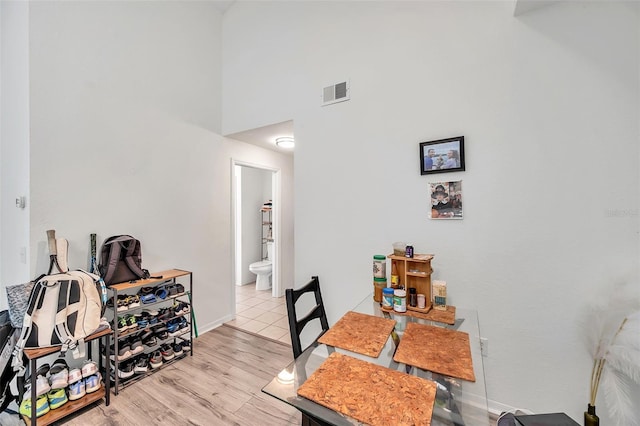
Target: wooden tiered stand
[{"x": 415, "y": 272}]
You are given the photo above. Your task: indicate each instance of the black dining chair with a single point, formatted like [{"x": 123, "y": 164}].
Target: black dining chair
[{"x": 296, "y": 324}]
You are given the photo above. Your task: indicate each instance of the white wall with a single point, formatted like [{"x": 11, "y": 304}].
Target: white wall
[
  {"x": 256, "y": 190},
  {"x": 548, "y": 103},
  {"x": 125, "y": 138},
  {"x": 14, "y": 143}
]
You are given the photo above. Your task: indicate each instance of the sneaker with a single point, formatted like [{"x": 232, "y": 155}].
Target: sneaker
[
  {"x": 180, "y": 289},
  {"x": 133, "y": 301},
  {"x": 42, "y": 406},
  {"x": 136, "y": 345},
  {"x": 149, "y": 311},
  {"x": 167, "y": 352},
  {"x": 177, "y": 349},
  {"x": 182, "y": 308},
  {"x": 125, "y": 370},
  {"x": 42, "y": 385},
  {"x": 142, "y": 365},
  {"x": 155, "y": 360},
  {"x": 161, "y": 333},
  {"x": 124, "y": 351},
  {"x": 182, "y": 322},
  {"x": 74, "y": 375},
  {"x": 76, "y": 390},
  {"x": 149, "y": 339},
  {"x": 59, "y": 374},
  {"x": 131, "y": 322},
  {"x": 122, "y": 324},
  {"x": 122, "y": 304},
  {"x": 172, "y": 326},
  {"x": 92, "y": 383},
  {"x": 57, "y": 398},
  {"x": 89, "y": 368},
  {"x": 186, "y": 345}
]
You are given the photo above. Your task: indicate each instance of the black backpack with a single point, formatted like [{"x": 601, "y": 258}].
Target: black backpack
[
  {"x": 8, "y": 338},
  {"x": 121, "y": 260}
]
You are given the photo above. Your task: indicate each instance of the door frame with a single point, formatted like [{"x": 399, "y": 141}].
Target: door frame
[{"x": 276, "y": 217}]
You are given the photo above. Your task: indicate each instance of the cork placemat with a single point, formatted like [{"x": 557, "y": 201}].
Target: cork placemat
[
  {"x": 436, "y": 349},
  {"x": 360, "y": 333},
  {"x": 447, "y": 317},
  {"x": 370, "y": 393}
]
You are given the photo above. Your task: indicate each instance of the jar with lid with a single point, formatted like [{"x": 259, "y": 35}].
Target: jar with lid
[
  {"x": 378, "y": 285},
  {"x": 400, "y": 301},
  {"x": 387, "y": 298},
  {"x": 379, "y": 266}
]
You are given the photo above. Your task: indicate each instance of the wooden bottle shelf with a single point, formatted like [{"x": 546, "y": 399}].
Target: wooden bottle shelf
[{"x": 415, "y": 272}]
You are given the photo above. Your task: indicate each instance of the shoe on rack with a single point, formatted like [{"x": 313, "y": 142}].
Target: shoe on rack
[
  {"x": 167, "y": 352},
  {"x": 89, "y": 368},
  {"x": 149, "y": 339},
  {"x": 180, "y": 289},
  {"x": 136, "y": 345},
  {"x": 42, "y": 385},
  {"x": 132, "y": 324},
  {"x": 57, "y": 398},
  {"x": 182, "y": 322},
  {"x": 125, "y": 369},
  {"x": 155, "y": 360},
  {"x": 142, "y": 365},
  {"x": 166, "y": 314},
  {"x": 150, "y": 311},
  {"x": 122, "y": 304},
  {"x": 161, "y": 333},
  {"x": 186, "y": 346},
  {"x": 172, "y": 326},
  {"x": 76, "y": 390},
  {"x": 177, "y": 349},
  {"x": 42, "y": 406},
  {"x": 124, "y": 350},
  {"x": 92, "y": 383},
  {"x": 182, "y": 308},
  {"x": 133, "y": 301},
  {"x": 122, "y": 324},
  {"x": 74, "y": 375},
  {"x": 59, "y": 374}
]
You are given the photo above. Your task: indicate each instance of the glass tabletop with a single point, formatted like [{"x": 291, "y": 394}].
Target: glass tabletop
[{"x": 458, "y": 402}]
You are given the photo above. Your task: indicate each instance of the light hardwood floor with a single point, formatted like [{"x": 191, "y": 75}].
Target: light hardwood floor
[{"x": 220, "y": 385}]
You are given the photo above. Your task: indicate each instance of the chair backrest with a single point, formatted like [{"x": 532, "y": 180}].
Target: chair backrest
[{"x": 296, "y": 325}]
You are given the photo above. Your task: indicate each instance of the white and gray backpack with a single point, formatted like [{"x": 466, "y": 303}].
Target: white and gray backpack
[{"x": 63, "y": 309}]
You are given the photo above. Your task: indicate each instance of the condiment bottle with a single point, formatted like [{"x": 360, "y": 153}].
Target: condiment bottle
[
  {"x": 413, "y": 297},
  {"x": 395, "y": 279}
]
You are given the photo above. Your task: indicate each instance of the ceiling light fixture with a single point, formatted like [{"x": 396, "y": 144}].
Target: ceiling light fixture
[{"x": 285, "y": 142}]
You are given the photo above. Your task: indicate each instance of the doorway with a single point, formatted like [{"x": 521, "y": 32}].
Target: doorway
[{"x": 256, "y": 193}]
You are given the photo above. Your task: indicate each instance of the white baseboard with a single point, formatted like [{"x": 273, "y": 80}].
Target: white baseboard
[{"x": 215, "y": 324}]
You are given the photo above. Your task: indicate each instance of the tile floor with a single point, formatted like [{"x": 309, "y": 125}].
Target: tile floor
[{"x": 259, "y": 313}]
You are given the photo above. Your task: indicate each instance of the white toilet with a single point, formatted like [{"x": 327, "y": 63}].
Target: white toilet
[{"x": 263, "y": 270}]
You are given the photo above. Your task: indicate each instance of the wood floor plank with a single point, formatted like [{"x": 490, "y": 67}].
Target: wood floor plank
[{"x": 220, "y": 385}]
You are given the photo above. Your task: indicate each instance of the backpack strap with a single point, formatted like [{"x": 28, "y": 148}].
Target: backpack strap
[
  {"x": 18, "y": 362},
  {"x": 128, "y": 258}
]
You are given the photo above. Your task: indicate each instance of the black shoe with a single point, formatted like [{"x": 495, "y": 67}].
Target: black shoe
[
  {"x": 177, "y": 349},
  {"x": 142, "y": 365}
]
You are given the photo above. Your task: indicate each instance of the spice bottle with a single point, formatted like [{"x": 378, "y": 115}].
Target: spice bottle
[
  {"x": 395, "y": 279},
  {"x": 413, "y": 297}
]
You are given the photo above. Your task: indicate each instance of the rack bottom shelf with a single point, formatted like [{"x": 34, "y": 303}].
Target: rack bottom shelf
[{"x": 69, "y": 408}]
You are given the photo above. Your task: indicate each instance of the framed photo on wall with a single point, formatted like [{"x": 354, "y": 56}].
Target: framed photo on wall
[
  {"x": 446, "y": 200},
  {"x": 441, "y": 156}
]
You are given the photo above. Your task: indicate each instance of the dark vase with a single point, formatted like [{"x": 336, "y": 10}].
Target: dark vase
[{"x": 590, "y": 418}]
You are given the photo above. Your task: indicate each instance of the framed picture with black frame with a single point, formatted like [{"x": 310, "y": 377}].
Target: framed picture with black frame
[{"x": 441, "y": 156}]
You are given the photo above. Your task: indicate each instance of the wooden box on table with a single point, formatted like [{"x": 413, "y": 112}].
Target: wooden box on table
[{"x": 414, "y": 272}]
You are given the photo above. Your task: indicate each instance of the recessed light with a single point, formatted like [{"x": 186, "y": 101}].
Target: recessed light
[{"x": 285, "y": 142}]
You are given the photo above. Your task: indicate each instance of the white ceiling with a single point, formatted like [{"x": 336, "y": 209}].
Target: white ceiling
[{"x": 265, "y": 136}]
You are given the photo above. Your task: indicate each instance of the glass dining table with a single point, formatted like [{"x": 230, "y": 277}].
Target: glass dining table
[{"x": 458, "y": 402}]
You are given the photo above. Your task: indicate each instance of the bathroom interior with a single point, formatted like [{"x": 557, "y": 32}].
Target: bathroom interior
[{"x": 258, "y": 310}]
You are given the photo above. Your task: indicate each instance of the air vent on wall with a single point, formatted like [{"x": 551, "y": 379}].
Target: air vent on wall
[{"x": 335, "y": 93}]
